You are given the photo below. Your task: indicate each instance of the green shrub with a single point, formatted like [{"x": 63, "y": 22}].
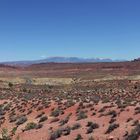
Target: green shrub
[
  {"x": 42, "y": 119},
  {"x": 10, "y": 84},
  {"x": 30, "y": 126},
  {"x": 5, "y": 135},
  {"x": 81, "y": 115},
  {"x": 79, "y": 137}
]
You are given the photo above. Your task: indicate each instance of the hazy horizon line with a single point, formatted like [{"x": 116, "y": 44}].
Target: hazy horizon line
[{"x": 84, "y": 58}]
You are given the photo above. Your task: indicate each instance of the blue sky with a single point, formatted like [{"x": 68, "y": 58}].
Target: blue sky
[{"x": 34, "y": 29}]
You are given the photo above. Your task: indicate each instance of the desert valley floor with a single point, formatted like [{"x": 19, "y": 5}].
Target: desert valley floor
[{"x": 53, "y": 101}]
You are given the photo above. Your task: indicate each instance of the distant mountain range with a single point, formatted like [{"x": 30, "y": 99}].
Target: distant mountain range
[
  {"x": 60, "y": 60},
  {"x": 138, "y": 59}
]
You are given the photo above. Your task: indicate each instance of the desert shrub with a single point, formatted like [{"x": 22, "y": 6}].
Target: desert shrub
[
  {"x": 81, "y": 104},
  {"x": 40, "y": 115},
  {"x": 24, "y": 89},
  {"x": 54, "y": 120},
  {"x": 136, "y": 122},
  {"x": 56, "y": 134},
  {"x": 30, "y": 126},
  {"x": 12, "y": 119},
  {"x": 64, "y": 121},
  {"x": 92, "y": 125},
  {"x": 2, "y": 117},
  {"x": 66, "y": 131},
  {"x": 89, "y": 124},
  {"x": 76, "y": 126},
  {"x": 135, "y": 133},
  {"x": 10, "y": 84},
  {"x": 21, "y": 120},
  {"x": 2, "y": 112},
  {"x": 39, "y": 108},
  {"x": 42, "y": 119},
  {"x": 69, "y": 103},
  {"x": 81, "y": 115},
  {"x": 135, "y": 87},
  {"x": 94, "y": 113},
  {"x": 113, "y": 113},
  {"x": 49, "y": 86},
  {"x": 39, "y": 126},
  {"x": 56, "y": 112},
  {"x": 14, "y": 130},
  {"x": 111, "y": 128},
  {"x": 105, "y": 100},
  {"x": 29, "y": 112},
  {"x": 137, "y": 110},
  {"x": 89, "y": 130},
  {"x": 91, "y": 138},
  {"x": 112, "y": 120},
  {"x": 101, "y": 110},
  {"x": 129, "y": 119},
  {"x": 79, "y": 137},
  {"x": 5, "y": 135},
  {"x": 7, "y": 107}
]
